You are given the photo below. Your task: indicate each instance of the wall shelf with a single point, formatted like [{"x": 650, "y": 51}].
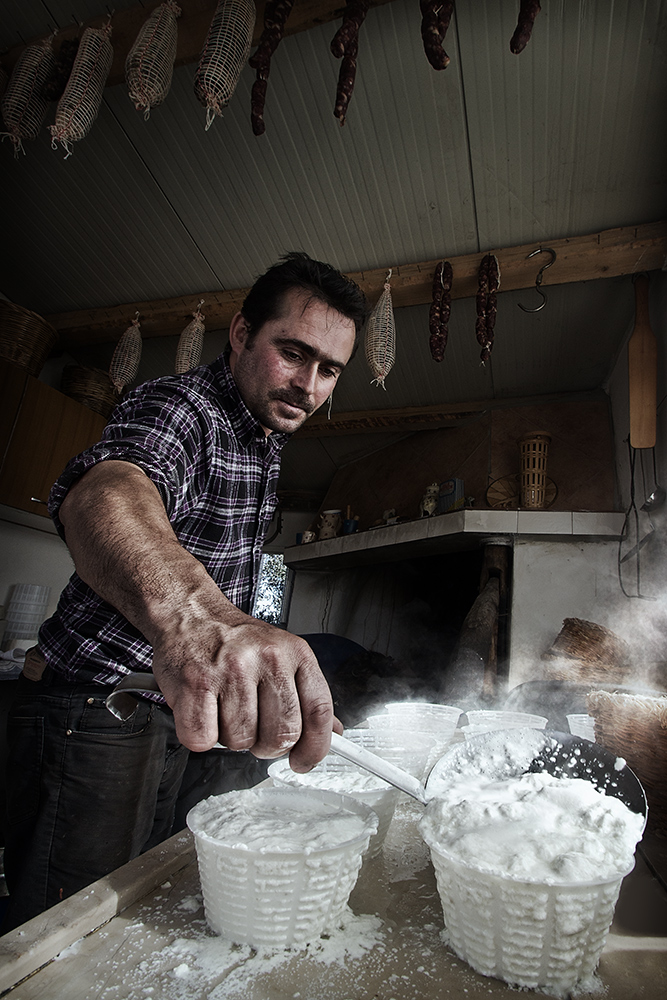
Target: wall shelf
[{"x": 460, "y": 530}]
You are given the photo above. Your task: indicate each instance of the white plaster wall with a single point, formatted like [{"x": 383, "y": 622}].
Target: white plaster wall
[
  {"x": 32, "y": 555},
  {"x": 355, "y": 603},
  {"x": 553, "y": 581}
]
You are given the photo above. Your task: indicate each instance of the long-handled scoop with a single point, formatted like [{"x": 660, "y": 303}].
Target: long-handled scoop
[
  {"x": 378, "y": 766},
  {"x": 123, "y": 701}
]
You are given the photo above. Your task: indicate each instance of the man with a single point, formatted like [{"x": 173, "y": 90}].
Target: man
[{"x": 165, "y": 520}]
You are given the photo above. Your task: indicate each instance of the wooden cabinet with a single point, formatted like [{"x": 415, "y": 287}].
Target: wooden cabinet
[{"x": 40, "y": 430}]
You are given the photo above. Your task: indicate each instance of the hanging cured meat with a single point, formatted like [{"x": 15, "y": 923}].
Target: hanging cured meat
[
  {"x": 438, "y": 320},
  {"x": 276, "y": 13},
  {"x": 528, "y": 11},
  {"x": 345, "y": 46},
  {"x": 487, "y": 291},
  {"x": 224, "y": 55},
  {"x": 436, "y": 15},
  {"x": 380, "y": 340}
]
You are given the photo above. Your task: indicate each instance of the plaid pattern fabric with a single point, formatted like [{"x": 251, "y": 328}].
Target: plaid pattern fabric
[{"x": 216, "y": 472}]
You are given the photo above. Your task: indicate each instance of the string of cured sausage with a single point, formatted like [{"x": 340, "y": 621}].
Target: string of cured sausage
[
  {"x": 345, "y": 46},
  {"x": 487, "y": 292},
  {"x": 438, "y": 320},
  {"x": 276, "y": 13},
  {"x": 436, "y": 15},
  {"x": 528, "y": 11}
]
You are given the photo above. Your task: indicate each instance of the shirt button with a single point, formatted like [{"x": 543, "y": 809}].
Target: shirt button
[{"x": 90, "y": 701}]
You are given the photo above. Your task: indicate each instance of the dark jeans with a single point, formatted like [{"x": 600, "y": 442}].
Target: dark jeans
[{"x": 86, "y": 793}]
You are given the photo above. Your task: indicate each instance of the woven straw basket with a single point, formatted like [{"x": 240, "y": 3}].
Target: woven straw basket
[
  {"x": 635, "y": 727},
  {"x": 585, "y": 651},
  {"x": 26, "y": 339},
  {"x": 90, "y": 386}
]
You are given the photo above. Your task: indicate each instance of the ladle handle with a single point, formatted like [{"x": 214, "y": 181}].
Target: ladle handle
[{"x": 378, "y": 766}]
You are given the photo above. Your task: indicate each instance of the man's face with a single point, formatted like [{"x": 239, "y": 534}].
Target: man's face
[{"x": 291, "y": 365}]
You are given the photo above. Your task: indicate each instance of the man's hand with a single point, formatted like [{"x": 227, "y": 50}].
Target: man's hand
[
  {"x": 226, "y": 676},
  {"x": 251, "y": 686}
]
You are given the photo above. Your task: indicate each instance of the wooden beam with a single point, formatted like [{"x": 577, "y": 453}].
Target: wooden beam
[
  {"x": 193, "y": 25},
  {"x": 625, "y": 250},
  {"x": 407, "y": 419}
]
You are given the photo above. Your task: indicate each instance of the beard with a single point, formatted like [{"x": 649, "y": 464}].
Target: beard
[{"x": 269, "y": 416}]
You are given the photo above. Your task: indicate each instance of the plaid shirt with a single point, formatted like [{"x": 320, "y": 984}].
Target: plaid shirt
[{"x": 216, "y": 472}]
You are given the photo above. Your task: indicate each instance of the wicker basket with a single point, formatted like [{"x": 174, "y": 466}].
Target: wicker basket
[
  {"x": 634, "y": 727},
  {"x": 90, "y": 386},
  {"x": 534, "y": 448},
  {"x": 26, "y": 339},
  {"x": 585, "y": 651}
]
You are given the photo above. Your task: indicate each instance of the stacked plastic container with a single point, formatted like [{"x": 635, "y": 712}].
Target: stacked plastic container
[
  {"x": 487, "y": 721},
  {"x": 26, "y": 610},
  {"x": 439, "y": 721}
]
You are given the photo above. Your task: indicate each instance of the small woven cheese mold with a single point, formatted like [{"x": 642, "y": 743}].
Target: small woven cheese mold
[
  {"x": 333, "y": 774},
  {"x": 277, "y": 865}
]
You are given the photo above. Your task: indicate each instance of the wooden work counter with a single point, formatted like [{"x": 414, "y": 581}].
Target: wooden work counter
[{"x": 140, "y": 933}]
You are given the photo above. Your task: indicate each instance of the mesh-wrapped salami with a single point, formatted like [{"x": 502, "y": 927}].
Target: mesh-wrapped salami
[
  {"x": 276, "y": 13},
  {"x": 126, "y": 356},
  {"x": 224, "y": 55},
  {"x": 528, "y": 11},
  {"x": 345, "y": 46},
  {"x": 436, "y": 15},
  {"x": 380, "y": 340},
  {"x": 149, "y": 66},
  {"x": 80, "y": 104},
  {"x": 24, "y": 106},
  {"x": 190, "y": 343}
]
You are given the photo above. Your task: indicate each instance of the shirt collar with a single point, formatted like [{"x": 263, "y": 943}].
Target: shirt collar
[{"x": 246, "y": 427}]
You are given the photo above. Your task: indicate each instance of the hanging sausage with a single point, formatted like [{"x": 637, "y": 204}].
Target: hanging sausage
[
  {"x": 487, "y": 292},
  {"x": 528, "y": 11},
  {"x": 276, "y": 13},
  {"x": 438, "y": 320},
  {"x": 345, "y": 46},
  {"x": 436, "y": 15}
]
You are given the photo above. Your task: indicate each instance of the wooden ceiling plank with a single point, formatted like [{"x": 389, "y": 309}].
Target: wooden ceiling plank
[
  {"x": 613, "y": 252},
  {"x": 193, "y": 25},
  {"x": 417, "y": 418}
]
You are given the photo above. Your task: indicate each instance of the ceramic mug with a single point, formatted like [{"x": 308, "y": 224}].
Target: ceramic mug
[
  {"x": 308, "y": 536},
  {"x": 330, "y": 524}
]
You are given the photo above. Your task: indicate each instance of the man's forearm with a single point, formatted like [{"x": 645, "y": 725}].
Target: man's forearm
[
  {"x": 125, "y": 549},
  {"x": 227, "y": 676}
]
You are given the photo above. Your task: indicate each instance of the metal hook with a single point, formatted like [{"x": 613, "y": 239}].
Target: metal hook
[{"x": 538, "y": 279}]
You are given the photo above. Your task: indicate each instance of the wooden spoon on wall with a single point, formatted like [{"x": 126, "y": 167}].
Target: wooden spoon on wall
[{"x": 642, "y": 371}]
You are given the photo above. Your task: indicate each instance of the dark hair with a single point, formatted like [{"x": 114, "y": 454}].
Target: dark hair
[{"x": 321, "y": 281}]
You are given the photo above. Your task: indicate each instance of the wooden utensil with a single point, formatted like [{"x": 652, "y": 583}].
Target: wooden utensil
[{"x": 642, "y": 371}]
